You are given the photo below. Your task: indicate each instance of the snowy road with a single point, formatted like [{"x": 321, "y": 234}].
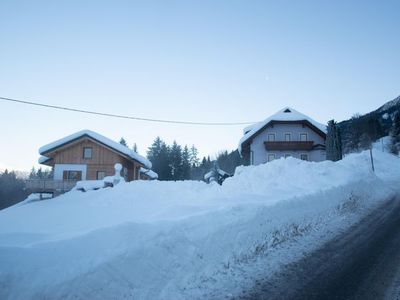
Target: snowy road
[{"x": 362, "y": 263}]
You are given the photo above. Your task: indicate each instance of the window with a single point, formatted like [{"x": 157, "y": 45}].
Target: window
[
  {"x": 100, "y": 175},
  {"x": 271, "y": 157},
  {"x": 287, "y": 137},
  {"x": 72, "y": 175},
  {"x": 287, "y": 155},
  {"x": 125, "y": 173},
  {"x": 271, "y": 137},
  {"x": 304, "y": 157},
  {"x": 303, "y": 137},
  {"x": 251, "y": 158},
  {"x": 87, "y": 152}
]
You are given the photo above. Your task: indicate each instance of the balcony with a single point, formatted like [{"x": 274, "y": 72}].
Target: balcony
[
  {"x": 288, "y": 146},
  {"x": 49, "y": 186}
]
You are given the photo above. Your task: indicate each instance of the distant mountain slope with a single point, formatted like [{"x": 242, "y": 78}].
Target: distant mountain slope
[
  {"x": 375, "y": 124},
  {"x": 390, "y": 106}
]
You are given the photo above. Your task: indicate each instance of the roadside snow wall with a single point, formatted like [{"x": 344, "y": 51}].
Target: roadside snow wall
[{"x": 180, "y": 240}]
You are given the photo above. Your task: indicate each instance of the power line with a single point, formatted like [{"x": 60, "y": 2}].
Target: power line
[{"x": 123, "y": 116}]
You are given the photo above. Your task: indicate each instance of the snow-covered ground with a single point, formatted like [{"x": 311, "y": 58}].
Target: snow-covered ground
[
  {"x": 180, "y": 240},
  {"x": 382, "y": 144}
]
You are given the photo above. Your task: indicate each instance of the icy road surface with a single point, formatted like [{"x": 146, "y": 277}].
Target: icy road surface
[{"x": 362, "y": 263}]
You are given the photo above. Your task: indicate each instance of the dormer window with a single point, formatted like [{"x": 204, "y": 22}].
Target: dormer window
[{"x": 287, "y": 110}]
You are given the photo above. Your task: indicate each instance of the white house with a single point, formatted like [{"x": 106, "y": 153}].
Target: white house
[{"x": 284, "y": 134}]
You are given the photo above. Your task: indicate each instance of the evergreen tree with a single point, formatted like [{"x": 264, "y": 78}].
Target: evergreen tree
[
  {"x": 330, "y": 141},
  {"x": 12, "y": 189},
  {"x": 158, "y": 154},
  {"x": 395, "y": 135},
  {"x": 355, "y": 133},
  {"x": 204, "y": 161},
  {"x": 154, "y": 150},
  {"x": 194, "y": 160},
  {"x": 236, "y": 160},
  {"x": 176, "y": 161},
  {"x": 223, "y": 161},
  {"x": 123, "y": 142},
  {"x": 333, "y": 142},
  {"x": 229, "y": 161},
  {"x": 40, "y": 173},
  {"x": 165, "y": 162},
  {"x": 186, "y": 163},
  {"x": 32, "y": 174},
  {"x": 375, "y": 129},
  {"x": 155, "y": 155}
]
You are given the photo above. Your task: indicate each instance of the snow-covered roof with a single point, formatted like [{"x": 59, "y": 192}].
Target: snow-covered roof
[
  {"x": 99, "y": 138},
  {"x": 285, "y": 114},
  {"x": 211, "y": 173},
  {"x": 42, "y": 159},
  {"x": 150, "y": 173},
  {"x": 248, "y": 128},
  {"x": 208, "y": 175}
]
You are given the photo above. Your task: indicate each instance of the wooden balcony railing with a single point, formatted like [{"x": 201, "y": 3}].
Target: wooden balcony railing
[
  {"x": 287, "y": 146},
  {"x": 49, "y": 185}
]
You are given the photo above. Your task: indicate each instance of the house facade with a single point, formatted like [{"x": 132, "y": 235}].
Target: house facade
[
  {"x": 287, "y": 133},
  {"x": 87, "y": 155}
]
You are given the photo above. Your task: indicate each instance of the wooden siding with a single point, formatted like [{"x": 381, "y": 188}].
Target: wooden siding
[{"x": 103, "y": 159}]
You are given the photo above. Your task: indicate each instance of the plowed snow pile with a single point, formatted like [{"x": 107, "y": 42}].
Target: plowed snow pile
[{"x": 180, "y": 240}]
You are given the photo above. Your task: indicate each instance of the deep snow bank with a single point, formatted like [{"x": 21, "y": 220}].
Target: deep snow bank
[{"x": 184, "y": 239}]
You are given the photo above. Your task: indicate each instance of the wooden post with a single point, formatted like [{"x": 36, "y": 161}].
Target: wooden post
[{"x": 372, "y": 159}]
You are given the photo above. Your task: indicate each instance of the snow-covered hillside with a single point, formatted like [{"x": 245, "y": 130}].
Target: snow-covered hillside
[
  {"x": 180, "y": 240},
  {"x": 382, "y": 144}
]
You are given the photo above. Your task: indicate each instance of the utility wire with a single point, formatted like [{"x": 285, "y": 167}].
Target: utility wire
[{"x": 123, "y": 116}]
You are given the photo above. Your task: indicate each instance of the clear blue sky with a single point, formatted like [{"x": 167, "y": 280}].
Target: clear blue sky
[{"x": 188, "y": 60}]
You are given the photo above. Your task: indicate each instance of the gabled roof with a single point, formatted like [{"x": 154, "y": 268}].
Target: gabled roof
[
  {"x": 125, "y": 151},
  {"x": 286, "y": 114}
]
